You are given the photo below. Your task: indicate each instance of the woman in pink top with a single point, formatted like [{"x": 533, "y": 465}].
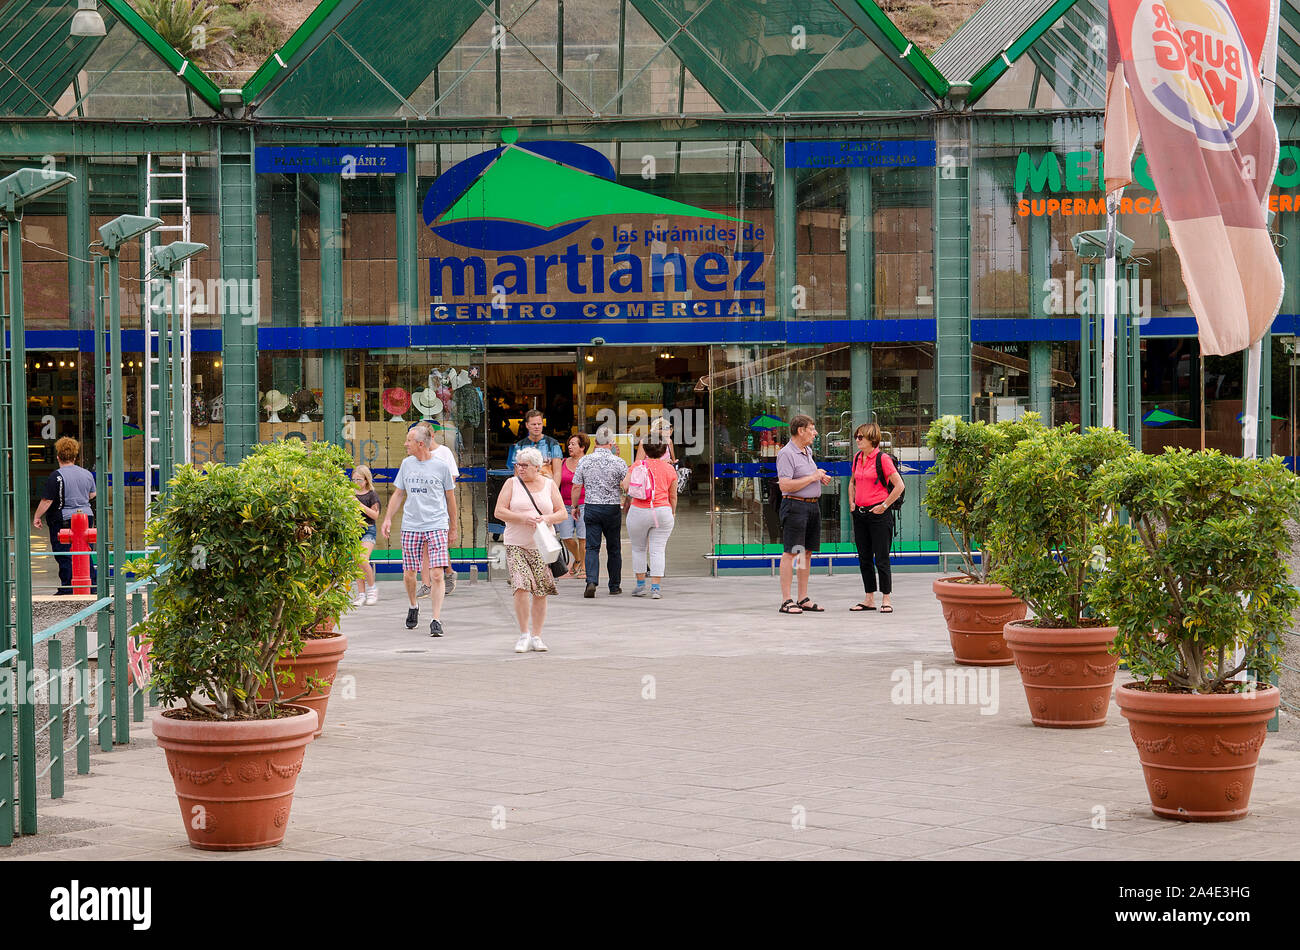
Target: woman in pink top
[
  {"x": 873, "y": 522},
  {"x": 529, "y": 575},
  {"x": 650, "y": 520},
  {"x": 572, "y": 531}
]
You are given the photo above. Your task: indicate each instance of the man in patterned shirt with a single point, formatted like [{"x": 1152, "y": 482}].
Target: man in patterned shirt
[{"x": 600, "y": 473}]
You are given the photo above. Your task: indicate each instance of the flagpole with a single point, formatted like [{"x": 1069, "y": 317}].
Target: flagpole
[
  {"x": 1108, "y": 318},
  {"x": 1250, "y": 420}
]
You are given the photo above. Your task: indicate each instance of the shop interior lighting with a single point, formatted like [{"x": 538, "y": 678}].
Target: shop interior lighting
[{"x": 87, "y": 21}]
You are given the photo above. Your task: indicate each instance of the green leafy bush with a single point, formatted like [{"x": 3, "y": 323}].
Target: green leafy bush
[
  {"x": 251, "y": 557},
  {"x": 191, "y": 28},
  {"x": 1198, "y": 569},
  {"x": 954, "y": 497},
  {"x": 1042, "y": 515}
]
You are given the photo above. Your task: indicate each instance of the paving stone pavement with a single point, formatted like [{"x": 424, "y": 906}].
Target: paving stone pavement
[{"x": 703, "y": 726}]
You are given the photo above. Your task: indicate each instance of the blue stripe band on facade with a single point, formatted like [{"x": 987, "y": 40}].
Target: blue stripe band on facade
[
  {"x": 656, "y": 333},
  {"x": 837, "y": 469}
]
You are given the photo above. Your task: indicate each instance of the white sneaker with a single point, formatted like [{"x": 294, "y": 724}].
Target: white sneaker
[
  {"x": 525, "y": 643},
  {"x": 358, "y": 600},
  {"x": 538, "y": 645},
  {"x": 372, "y": 596}
]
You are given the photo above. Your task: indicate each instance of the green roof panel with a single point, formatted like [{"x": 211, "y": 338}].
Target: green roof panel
[
  {"x": 44, "y": 70},
  {"x": 592, "y": 57}
]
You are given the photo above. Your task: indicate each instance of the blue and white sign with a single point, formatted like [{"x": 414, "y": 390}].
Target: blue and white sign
[
  {"x": 333, "y": 160},
  {"x": 889, "y": 153}
]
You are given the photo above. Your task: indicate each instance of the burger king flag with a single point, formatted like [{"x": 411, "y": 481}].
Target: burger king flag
[{"x": 1184, "y": 75}]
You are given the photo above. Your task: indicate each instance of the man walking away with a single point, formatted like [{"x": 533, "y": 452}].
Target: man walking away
[
  {"x": 552, "y": 453},
  {"x": 601, "y": 473},
  {"x": 426, "y": 492},
  {"x": 801, "y": 484}
]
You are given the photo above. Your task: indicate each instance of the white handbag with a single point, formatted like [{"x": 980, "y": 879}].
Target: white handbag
[{"x": 548, "y": 545}]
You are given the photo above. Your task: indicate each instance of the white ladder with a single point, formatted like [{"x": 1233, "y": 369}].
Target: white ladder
[{"x": 154, "y": 322}]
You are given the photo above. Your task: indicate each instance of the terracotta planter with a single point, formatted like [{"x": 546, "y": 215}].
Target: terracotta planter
[
  {"x": 235, "y": 780},
  {"x": 319, "y": 659},
  {"x": 1067, "y": 673},
  {"x": 1198, "y": 753},
  {"x": 976, "y": 614}
]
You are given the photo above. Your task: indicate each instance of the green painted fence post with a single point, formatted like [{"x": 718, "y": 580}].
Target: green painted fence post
[
  {"x": 6, "y": 755},
  {"x": 55, "y": 648},
  {"x": 82, "y": 652}
]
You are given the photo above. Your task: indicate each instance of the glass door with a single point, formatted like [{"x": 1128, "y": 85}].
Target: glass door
[{"x": 629, "y": 387}]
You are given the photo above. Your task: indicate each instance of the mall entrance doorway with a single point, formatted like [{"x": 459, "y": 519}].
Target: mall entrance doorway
[{"x": 624, "y": 387}]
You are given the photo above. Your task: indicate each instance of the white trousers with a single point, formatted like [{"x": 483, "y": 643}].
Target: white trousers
[{"x": 649, "y": 542}]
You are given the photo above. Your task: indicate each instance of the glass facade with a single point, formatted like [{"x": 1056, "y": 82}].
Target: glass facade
[{"x": 669, "y": 255}]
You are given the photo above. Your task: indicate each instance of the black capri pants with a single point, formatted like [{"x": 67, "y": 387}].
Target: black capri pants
[{"x": 872, "y": 535}]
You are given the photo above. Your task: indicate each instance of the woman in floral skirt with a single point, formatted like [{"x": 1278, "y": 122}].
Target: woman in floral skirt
[{"x": 529, "y": 575}]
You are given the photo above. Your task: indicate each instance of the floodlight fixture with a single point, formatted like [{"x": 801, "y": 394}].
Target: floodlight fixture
[
  {"x": 28, "y": 184},
  {"x": 87, "y": 21},
  {"x": 168, "y": 258},
  {"x": 1091, "y": 245},
  {"x": 124, "y": 228}
]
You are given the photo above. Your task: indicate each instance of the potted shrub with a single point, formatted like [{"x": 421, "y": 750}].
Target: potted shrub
[
  {"x": 243, "y": 554},
  {"x": 306, "y": 676},
  {"x": 975, "y": 609},
  {"x": 1198, "y": 587},
  {"x": 1042, "y": 518}
]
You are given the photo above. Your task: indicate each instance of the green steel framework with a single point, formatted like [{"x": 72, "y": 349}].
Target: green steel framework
[{"x": 230, "y": 136}]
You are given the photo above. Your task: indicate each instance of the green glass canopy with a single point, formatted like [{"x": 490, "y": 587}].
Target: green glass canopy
[
  {"x": 591, "y": 58},
  {"x": 129, "y": 73}
]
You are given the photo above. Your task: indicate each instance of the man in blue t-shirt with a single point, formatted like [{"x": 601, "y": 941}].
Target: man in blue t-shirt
[
  {"x": 552, "y": 453},
  {"x": 426, "y": 493}
]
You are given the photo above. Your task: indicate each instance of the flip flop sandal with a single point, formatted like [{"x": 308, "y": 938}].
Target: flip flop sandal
[
  {"x": 886, "y": 609},
  {"x": 809, "y": 607},
  {"x": 856, "y": 607},
  {"x": 790, "y": 607}
]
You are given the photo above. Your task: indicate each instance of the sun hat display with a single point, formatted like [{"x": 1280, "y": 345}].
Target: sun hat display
[
  {"x": 273, "y": 402},
  {"x": 396, "y": 400},
  {"x": 426, "y": 403}
]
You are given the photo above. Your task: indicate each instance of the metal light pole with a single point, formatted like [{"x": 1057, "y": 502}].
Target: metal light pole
[
  {"x": 167, "y": 260},
  {"x": 16, "y": 192},
  {"x": 113, "y": 235}
]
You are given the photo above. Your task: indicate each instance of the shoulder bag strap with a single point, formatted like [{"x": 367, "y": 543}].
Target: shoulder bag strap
[{"x": 529, "y": 494}]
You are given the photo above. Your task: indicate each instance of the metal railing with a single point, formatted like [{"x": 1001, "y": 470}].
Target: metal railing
[{"x": 66, "y": 689}]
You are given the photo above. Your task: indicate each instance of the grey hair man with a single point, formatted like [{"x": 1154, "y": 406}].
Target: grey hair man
[
  {"x": 801, "y": 483},
  {"x": 426, "y": 493},
  {"x": 600, "y": 474}
]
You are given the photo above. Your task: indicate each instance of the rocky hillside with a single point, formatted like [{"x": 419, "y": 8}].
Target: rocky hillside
[{"x": 241, "y": 34}]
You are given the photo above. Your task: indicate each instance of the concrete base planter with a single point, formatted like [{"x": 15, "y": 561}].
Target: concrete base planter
[
  {"x": 319, "y": 659},
  {"x": 976, "y": 615},
  {"x": 1198, "y": 752},
  {"x": 1067, "y": 673},
  {"x": 235, "y": 780}
]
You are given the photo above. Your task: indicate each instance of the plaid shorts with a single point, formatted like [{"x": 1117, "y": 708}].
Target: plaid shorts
[{"x": 414, "y": 544}]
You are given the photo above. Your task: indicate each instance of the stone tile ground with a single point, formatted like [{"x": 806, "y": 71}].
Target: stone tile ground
[{"x": 704, "y": 726}]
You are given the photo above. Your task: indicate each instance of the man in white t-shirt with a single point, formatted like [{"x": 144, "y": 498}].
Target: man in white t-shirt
[
  {"x": 442, "y": 453},
  {"x": 426, "y": 493}
]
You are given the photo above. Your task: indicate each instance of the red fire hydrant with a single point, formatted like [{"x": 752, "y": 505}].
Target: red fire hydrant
[{"x": 81, "y": 537}]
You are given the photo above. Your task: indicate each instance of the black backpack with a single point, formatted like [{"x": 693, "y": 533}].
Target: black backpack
[{"x": 880, "y": 477}]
